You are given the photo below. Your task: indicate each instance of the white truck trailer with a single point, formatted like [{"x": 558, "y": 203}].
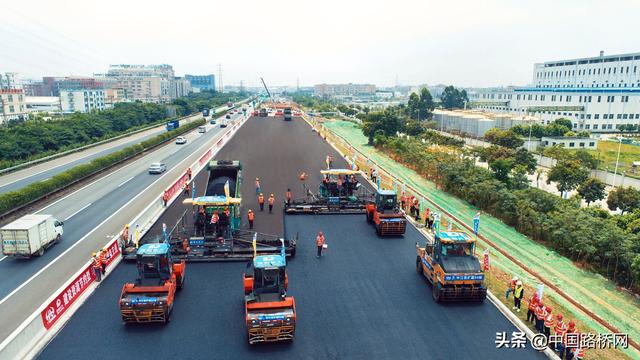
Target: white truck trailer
[{"x": 30, "y": 235}]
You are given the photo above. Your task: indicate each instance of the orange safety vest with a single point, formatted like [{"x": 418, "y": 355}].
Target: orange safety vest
[
  {"x": 260, "y": 199},
  {"x": 288, "y": 195},
  {"x": 320, "y": 240},
  {"x": 540, "y": 313},
  {"x": 560, "y": 328},
  {"x": 165, "y": 196},
  {"x": 532, "y": 304},
  {"x": 215, "y": 218},
  {"x": 250, "y": 216},
  {"x": 548, "y": 321},
  {"x": 271, "y": 200},
  {"x": 103, "y": 257},
  {"x": 96, "y": 262}
]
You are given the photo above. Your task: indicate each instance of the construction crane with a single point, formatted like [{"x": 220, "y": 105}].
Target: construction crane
[{"x": 268, "y": 93}]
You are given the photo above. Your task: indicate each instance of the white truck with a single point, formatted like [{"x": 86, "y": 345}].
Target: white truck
[{"x": 30, "y": 235}]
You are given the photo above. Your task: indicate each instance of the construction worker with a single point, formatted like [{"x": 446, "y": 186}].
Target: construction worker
[
  {"x": 124, "y": 236},
  {"x": 165, "y": 198},
  {"x": 548, "y": 322},
  {"x": 187, "y": 188},
  {"x": 319, "y": 243},
  {"x": 426, "y": 217},
  {"x": 103, "y": 256},
  {"x": 250, "y": 217},
  {"x": 288, "y": 197},
  {"x": 257, "y": 186},
  {"x": 518, "y": 294},
  {"x": 303, "y": 176},
  {"x": 578, "y": 353},
  {"x": 97, "y": 266},
  {"x": 261, "y": 201},
  {"x": 559, "y": 331},
  {"x": 541, "y": 313},
  {"x": 403, "y": 201},
  {"x": 189, "y": 173},
  {"x": 416, "y": 206},
  {"x": 564, "y": 350},
  {"x": 215, "y": 219},
  {"x": 533, "y": 304},
  {"x": 512, "y": 286},
  {"x": 271, "y": 200}
]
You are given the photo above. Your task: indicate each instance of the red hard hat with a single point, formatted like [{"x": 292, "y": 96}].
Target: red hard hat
[
  {"x": 548, "y": 309},
  {"x": 559, "y": 316},
  {"x": 320, "y": 233},
  {"x": 571, "y": 324}
]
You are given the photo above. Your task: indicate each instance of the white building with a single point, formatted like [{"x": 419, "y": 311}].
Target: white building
[
  {"x": 476, "y": 123},
  {"x": 570, "y": 142},
  {"x": 12, "y": 105},
  {"x": 46, "y": 104},
  {"x": 180, "y": 87},
  {"x": 84, "y": 100},
  {"x": 146, "y": 83},
  {"x": 596, "y": 93}
]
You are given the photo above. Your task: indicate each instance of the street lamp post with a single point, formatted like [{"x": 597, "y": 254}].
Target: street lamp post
[
  {"x": 615, "y": 171},
  {"x": 529, "y": 143}
]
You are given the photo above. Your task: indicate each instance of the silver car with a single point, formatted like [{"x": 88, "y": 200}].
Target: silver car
[{"x": 157, "y": 168}]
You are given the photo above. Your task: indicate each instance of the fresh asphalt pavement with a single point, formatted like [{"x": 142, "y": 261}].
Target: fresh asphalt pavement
[
  {"x": 362, "y": 299},
  {"x": 26, "y": 284}
]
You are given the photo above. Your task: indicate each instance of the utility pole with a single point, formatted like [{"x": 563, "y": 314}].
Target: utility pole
[
  {"x": 220, "y": 86},
  {"x": 241, "y": 86}
]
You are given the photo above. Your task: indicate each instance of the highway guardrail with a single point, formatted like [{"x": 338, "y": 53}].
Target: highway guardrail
[{"x": 26, "y": 341}]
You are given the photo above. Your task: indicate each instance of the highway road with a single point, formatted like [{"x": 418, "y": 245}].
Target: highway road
[
  {"x": 92, "y": 215},
  {"x": 362, "y": 300},
  {"x": 45, "y": 170}
]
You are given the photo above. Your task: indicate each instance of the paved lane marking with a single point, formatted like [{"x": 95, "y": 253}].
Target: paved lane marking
[
  {"x": 75, "y": 213},
  {"x": 44, "y": 268},
  {"x": 126, "y": 181},
  {"x": 4, "y": 257}
]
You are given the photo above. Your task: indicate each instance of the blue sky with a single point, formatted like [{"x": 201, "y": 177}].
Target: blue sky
[{"x": 465, "y": 43}]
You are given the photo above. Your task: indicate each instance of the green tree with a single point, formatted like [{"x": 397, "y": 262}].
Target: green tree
[
  {"x": 624, "y": 199},
  {"x": 506, "y": 138},
  {"x": 564, "y": 122},
  {"x": 592, "y": 190},
  {"x": 382, "y": 122},
  {"x": 568, "y": 174},
  {"x": 589, "y": 161},
  {"x": 420, "y": 106},
  {"x": 453, "y": 98}
]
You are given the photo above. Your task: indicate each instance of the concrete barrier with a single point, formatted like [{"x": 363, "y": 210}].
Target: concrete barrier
[{"x": 26, "y": 341}]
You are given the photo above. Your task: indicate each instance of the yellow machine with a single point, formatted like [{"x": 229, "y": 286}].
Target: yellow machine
[{"x": 451, "y": 267}]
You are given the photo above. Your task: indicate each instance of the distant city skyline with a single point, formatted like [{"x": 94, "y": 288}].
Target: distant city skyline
[{"x": 471, "y": 44}]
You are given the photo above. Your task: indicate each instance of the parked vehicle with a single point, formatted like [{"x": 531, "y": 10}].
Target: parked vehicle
[
  {"x": 30, "y": 235},
  {"x": 157, "y": 168},
  {"x": 181, "y": 140}
]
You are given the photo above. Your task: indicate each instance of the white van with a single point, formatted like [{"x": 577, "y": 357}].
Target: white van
[
  {"x": 202, "y": 129},
  {"x": 30, "y": 235}
]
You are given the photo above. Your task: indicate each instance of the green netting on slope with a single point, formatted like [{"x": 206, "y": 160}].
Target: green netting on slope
[{"x": 592, "y": 290}]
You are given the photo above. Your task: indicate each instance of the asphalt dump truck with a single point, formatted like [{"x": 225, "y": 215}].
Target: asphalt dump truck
[
  {"x": 339, "y": 193},
  {"x": 449, "y": 264},
  {"x": 269, "y": 313},
  {"x": 150, "y": 298}
]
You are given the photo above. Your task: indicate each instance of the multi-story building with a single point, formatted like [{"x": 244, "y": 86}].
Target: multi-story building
[
  {"x": 12, "y": 105},
  {"x": 344, "y": 89},
  {"x": 83, "y": 100},
  {"x": 43, "y": 104},
  {"x": 202, "y": 82},
  {"x": 596, "y": 93},
  {"x": 180, "y": 87},
  {"x": 147, "y": 83}
]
